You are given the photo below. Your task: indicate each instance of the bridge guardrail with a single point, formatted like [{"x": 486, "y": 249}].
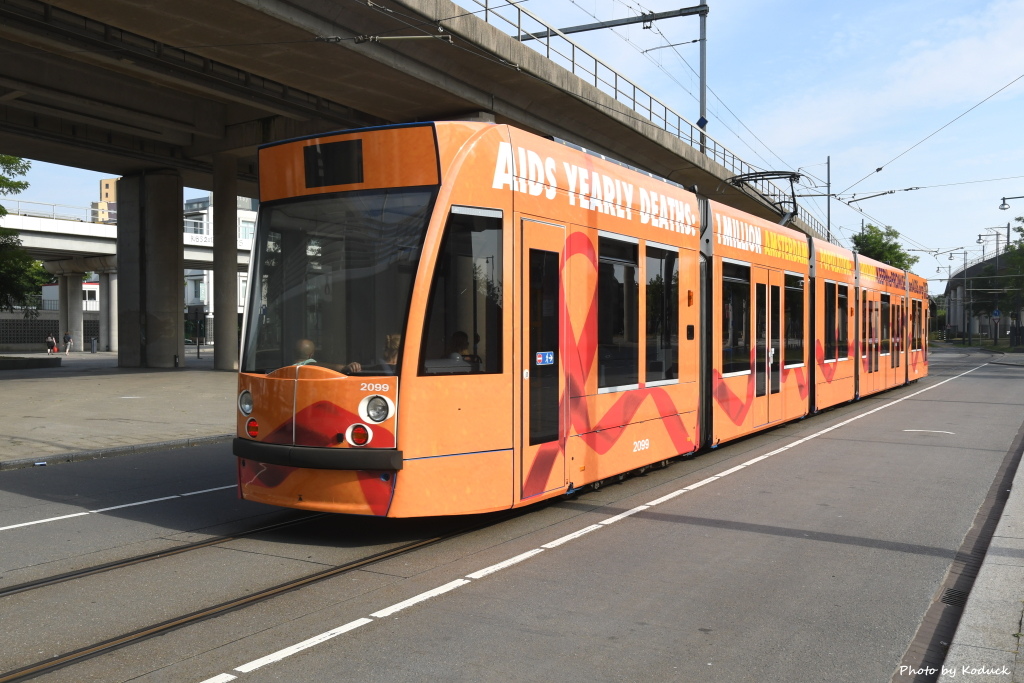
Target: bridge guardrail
[{"x": 574, "y": 58}]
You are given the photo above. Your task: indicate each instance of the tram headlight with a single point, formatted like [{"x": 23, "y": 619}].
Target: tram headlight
[
  {"x": 377, "y": 409},
  {"x": 245, "y": 402}
]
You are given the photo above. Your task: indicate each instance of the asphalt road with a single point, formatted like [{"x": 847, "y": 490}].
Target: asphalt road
[{"x": 814, "y": 564}]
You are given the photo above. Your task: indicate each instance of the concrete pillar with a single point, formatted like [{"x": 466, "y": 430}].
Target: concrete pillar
[
  {"x": 150, "y": 257},
  {"x": 112, "y": 311},
  {"x": 225, "y": 261},
  {"x": 62, "y": 305},
  {"x": 75, "y": 317}
]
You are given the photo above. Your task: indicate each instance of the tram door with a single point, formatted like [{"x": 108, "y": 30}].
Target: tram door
[
  {"x": 870, "y": 342},
  {"x": 767, "y": 345},
  {"x": 542, "y": 338}
]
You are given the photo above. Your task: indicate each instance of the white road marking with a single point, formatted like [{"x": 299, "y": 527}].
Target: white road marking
[
  {"x": 42, "y": 521},
  {"x": 574, "y": 535},
  {"x": 299, "y": 647},
  {"x": 700, "y": 483},
  {"x": 450, "y": 586},
  {"x": 387, "y": 611},
  {"x": 627, "y": 513},
  {"x": 115, "y": 507},
  {"x": 930, "y": 431},
  {"x": 659, "y": 501},
  {"x": 131, "y": 505},
  {"x": 501, "y": 565},
  {"x": 219, "y": 488}
]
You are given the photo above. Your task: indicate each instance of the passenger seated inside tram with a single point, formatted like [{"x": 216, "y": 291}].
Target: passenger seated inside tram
[
  {"x": 304, "y": 350},
  {"x": 384, "y": 363},
  {"x": 460, "y": 348}
]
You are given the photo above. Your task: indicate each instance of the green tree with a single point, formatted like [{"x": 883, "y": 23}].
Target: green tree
[
  {"x": 882, "y": 245},
  {"x": 20, "y": 276},
  {"x": 11, "y": 168},
  {"x": 1011, "y": 263}
]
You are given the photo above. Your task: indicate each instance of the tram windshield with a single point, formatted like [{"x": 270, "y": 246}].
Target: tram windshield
[{"x": 332, "y": 280}]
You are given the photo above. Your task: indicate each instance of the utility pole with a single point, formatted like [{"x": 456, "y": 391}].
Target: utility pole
[
  {"x": 701, "y": 10},
  {"x": 828, "y": 197}
]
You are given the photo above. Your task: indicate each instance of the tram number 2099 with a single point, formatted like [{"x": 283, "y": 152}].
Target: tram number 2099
[
  {"x": 368, "y": 386},
  {"x": 641, "y": 445}
]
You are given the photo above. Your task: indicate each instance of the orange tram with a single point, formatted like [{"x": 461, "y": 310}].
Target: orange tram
[{"x": 451, "y": 318}]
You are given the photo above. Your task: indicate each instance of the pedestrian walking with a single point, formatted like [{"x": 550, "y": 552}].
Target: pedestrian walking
[
  {"x": 68, "y": 342},
  {"x": 51, "y": 344}
]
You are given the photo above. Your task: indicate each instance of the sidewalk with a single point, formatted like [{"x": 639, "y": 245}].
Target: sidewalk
[{"x": 89, "y": 407}]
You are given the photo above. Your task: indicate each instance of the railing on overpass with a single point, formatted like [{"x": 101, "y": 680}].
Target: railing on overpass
[
  {"x": 82, "y": 214},
  {"x": 558, "y": 48},
  {"x": 20, "y": 207}
]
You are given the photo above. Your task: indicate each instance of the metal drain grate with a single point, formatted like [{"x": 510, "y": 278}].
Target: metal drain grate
[{"x": 954, "y": 597}]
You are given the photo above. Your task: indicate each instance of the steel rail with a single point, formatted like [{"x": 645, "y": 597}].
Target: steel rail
[
  {"x": 102, "y": 647},
  {"x": 147, "y": 557}
]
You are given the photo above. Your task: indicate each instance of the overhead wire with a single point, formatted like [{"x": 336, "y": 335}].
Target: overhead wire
[{"x": 932, "y": 134}]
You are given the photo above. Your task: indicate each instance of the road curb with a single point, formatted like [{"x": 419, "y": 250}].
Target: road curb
[
  {"x": 987, "y": 642},
  {"x": 78, "y": 456}
]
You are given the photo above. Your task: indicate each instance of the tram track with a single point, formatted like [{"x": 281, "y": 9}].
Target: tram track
[
  {"x": 110, "y": 644},
  {"x": 148, "y": 557}
]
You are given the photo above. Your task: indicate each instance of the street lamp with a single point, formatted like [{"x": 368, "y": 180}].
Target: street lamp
[
  {"x": 1004, "y": 206},
  {"x": 964, "y": 300}
]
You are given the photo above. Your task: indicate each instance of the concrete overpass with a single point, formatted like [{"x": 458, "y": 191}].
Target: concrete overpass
[{"x": 179, "y": 94}]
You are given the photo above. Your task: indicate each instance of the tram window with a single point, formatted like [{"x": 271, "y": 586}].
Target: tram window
[
  {"x": 886, "y": 325},
  {"x": 830, "y": 321},
  {"x": 794, "y": 305},
  {"x": 334, "y": 163},
  {"x": 735, "y": 318},
  {"x": 618, "y": 319},
  {"x": 915, "y": 312},
  {"x": 463, "y": 332},
  {"x": 332, "y": 280},
  {"x": 843, "y": 320},
  {"x": 863, "y": 325},
  {"x": 662, "y": 314}
]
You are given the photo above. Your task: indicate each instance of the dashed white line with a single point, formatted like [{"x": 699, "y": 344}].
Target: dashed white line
[
  {"x": 700, "y": 483},
  {"x": 43, "y": 521},
  {"x": 114, "y": 507},
  {"x": 670, "y": 496},
  {"x": 507, "y": 563},
  {"x": 299, "y": 647},
  {"x": 623, "y": 515},
  {"x": 440, "y": 590},
  {"x": 569, "y": 537},
  {"x": 398, "y": 607},
  {"x": 131, "y": 505}
]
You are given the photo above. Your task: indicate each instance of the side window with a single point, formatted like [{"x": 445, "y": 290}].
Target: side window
[
  {"x": 735, "y": 318},
  {"x": 830, "y": 321},
  {"x": 843, "y": 321},
  {"x": 864, "y": 339},
  {"x": 918, "y": 325},
  {"x": 618, "y": 319},
  {"x": 886, "y": 325},
  {"x": 794, "y": 305},
  {"x": 463, "y": 331},
  {"x": 662, "y": 314}
]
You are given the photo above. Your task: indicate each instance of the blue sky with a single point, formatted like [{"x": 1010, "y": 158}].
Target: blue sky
[{"x": 860, "y": 82}]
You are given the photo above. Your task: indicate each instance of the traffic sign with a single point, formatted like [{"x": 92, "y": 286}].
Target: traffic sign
[{"x": 996, "y": 315}]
